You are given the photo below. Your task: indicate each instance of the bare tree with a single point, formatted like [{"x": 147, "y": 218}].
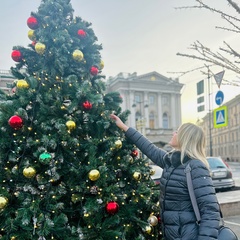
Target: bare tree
[{"x": 226, "y": 56}]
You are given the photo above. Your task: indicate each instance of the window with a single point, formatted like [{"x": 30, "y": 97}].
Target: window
[
  {"x": 165, "y": 121},
  {"x": 165, "y": 100},
  {"x": 151, "y": 100},
  {"x": 137, "y": 99}
]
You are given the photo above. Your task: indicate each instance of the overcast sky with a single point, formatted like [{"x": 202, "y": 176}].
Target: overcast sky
[{"x": 137, "y": 36}]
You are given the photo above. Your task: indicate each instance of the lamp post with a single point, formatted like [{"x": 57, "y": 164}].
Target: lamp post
[{"x": 210, "y": 116}]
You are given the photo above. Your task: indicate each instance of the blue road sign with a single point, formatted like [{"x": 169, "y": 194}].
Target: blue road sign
[
  {"x": 219, "y": 97},
  {"x": 220, "y": 117}
]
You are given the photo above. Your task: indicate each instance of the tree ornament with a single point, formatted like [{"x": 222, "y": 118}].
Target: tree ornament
[
  {"x": 118, "y": 144},
  {"x": 130, "y": 159},
  {"x": 112, "y": 207},
  {"x": 71, "y": 125},
  {"x": 33, "y": 43},
  {"x": 77, "y": 55},
  {"x": 29, "y": 172},
  {"x": 152, "y": 171},
  {"x": 81, "y": 33},
  {"x": 15, "y": 122},
  {"x": 87, "y": 105},
  {"x": 40, "y": 48},
  {"x": 149, "y": 229},
  {"x": 134, "y": 153},
  {"x": 67, "y": 103},
  {"x": 22, "y": 84},
  {"x": 3, "y": 202},
  {"x": 32, "y": 22},
  {"x": 94, "y": 175},
  {"x": 153, "y": 220},
  {"x": 101, "y": 64},
  {"x": 31, "y": 35},
  {"x": 94, "y": 70},
  {"x": 137, "y": 176},
  {"x": 16, "y": 55},
  {"x": 45, "y": 158},
  {"x": 94, "y": 190},
  {"x": 13, "y": 238}
]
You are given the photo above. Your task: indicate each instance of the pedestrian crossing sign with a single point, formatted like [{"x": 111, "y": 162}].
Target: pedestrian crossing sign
[{"x": 220, "y": 117}]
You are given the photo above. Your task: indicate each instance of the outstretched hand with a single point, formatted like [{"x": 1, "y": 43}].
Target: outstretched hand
[{"x": 119, "y": 122}]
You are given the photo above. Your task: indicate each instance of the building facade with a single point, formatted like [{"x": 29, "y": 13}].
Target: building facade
[
  {"x": 6, "y": 79},
  {"x": 154, "y": 101},
  {"x": 225, "y": 140}
]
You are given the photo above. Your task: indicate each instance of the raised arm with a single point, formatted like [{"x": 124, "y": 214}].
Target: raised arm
[{"x": 148, "y": 148}]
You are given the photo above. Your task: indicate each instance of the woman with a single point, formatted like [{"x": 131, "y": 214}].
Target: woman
[{"x": 177, "y": 214}]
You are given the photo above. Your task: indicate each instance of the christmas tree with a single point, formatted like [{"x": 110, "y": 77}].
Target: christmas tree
[{"x": 67, "y": 171}]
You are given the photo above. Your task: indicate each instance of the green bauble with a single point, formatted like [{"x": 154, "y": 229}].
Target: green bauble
[{"x": 45, "y": 158}]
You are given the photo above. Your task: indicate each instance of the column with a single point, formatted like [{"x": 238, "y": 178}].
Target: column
[
  {"x": 132, "y": 121},
  {"x": 159, "y": 110},
  {"x": 173, "y": 111},
  {"x": 146, "y": 110}
]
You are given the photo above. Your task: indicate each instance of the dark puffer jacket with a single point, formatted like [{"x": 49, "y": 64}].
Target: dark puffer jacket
[{"x": 179, "y": 221}]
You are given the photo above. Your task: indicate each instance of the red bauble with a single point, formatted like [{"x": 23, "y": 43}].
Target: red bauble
[
  {"x": 81, "y": 33},
  {"x": 16, "y": 55},
  {"x": 134, "y": 153},
  {"x": 94, "y": 70},
  {"x": 87, "y": 105},
  {"x": 32, "y": 23},
  {"x": 15, "y": 122},
  {"x": 34, "y": 43},
  {"x": 112, "y": 207}
]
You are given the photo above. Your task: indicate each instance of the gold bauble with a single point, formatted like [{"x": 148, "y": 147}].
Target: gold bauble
[
  {"x": 71, "y": 125},
  {"x": 94, "y": 175},
  {"x": 101, "y": 64},
  {"x": 40, "y": 48},
  {"x": 153, "y": 220},
  {"x": 137, "y": 175},
  {"x": 77, "y": 55},
  {"x": 29, "y": 172},
  {"x": 152, "y": 171},
  {"x": 3, "y": 202},
  {"x": 149, "y": 229},
  {"x": 130, "y": 159},
  {"x": 22, "y": 84},
  {"x": 118, "y": 144},
  {"x": 31, "y": 35},
  {"x": 13, "y": 238}
]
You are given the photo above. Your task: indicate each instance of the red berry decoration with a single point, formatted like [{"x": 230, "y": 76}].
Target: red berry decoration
[
  {"x": 134, "y": 153},
  {"x": 94, "y": 71},
  {"x": 112, "y": 207},
  {"x": 32, "y": 23},
  {"x": 81, "y": 33},
  {"x": 87, "y": 105},
  {"x": 15, "y": 122},
  {"x": 34, "y": 43},
  {"x": 16, "y": 55}
]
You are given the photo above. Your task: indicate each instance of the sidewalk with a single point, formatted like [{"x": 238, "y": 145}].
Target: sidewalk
[{"x": 229, "y": 202}]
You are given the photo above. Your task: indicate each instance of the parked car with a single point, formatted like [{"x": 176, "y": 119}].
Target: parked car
[
  {"x": 157, "y": 173},
  {"x": 221, "y": 173}
]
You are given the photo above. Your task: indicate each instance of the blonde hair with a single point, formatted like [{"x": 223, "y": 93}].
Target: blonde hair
[{"x": 192, "y": 142}]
